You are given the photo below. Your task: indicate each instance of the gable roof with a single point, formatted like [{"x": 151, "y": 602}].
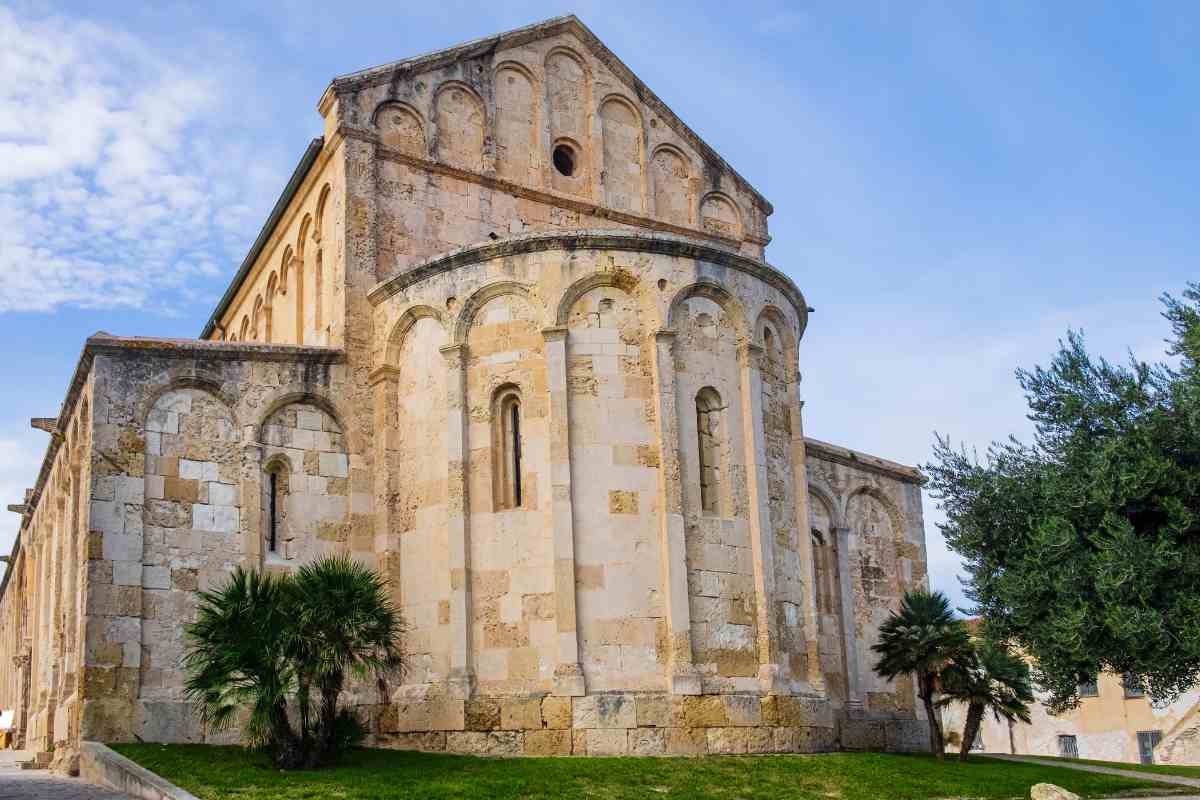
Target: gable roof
[{"x": 386, "y": 73}]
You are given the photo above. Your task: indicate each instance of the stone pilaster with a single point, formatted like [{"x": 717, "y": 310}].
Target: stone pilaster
[
  {"x": 762, "y": 541},
  {"x": 385, "y": 390},
  {"x": 462, "y": 678},
  {"x": 681, "y": 672},
  {"x": 251, "y": 512},
  {"x": 808, "y": 572},
  {"x": 854, "y": 678},
  {"x": 568, "y": 673}
]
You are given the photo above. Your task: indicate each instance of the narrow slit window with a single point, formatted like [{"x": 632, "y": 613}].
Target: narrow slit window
[
  {"x": 708, "y": 439},
  {"x": 273, "y": 512},
  {"x": 508, "y": 458}
]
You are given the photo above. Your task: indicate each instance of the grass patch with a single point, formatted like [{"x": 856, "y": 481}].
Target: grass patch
[
  {"x": 232, "y": 773},
  {"x": 1160, "y": 769}
]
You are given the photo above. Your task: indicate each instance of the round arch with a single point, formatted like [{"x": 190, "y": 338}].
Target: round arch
[
  {"x": 711, "y": 289},
  {"x": 621, "y": 279},
  {"x": 477, "y": 300},
  {"x": 395, "y": 340}
]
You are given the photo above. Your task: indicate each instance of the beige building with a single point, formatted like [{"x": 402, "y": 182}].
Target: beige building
[
  {"x": 509, "y": 336},
  {"x": 1113, "y": 722}
]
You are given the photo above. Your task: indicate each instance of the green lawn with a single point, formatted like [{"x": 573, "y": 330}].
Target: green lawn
[
  {"x": 230, "y": 773},
  {"x": 1162, "y": 769}
]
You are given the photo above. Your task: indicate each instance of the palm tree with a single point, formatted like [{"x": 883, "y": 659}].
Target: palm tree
[
  {"x": 345, "y": 624},
  {"x": 923, "y": 639},
  {"x": 237, "y": 658},
  {"x": 993, "y": 677}
]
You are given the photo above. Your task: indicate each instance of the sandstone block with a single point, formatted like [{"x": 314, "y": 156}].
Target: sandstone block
[
  {"x": 432, "y": 714},
  {"x": 548, "y": 743},
  {"x": 521, "y": 714},
  {"x": 482, "y": 714},
  {"x": 687, "y": 741},
  {"x": 430, "y": 742},
  {"x": 742, "y": 709},
  {"x": 703, "y": 711},
  {"x": 490, "y": 743},
  {"x": 607, "y": 742},
  {"x": 556, "y": 712},
  {"x": 647, "y": 741},
  {"x": 604, "y": 711},
  {"x": 728, "y": 741},
  {"x": 653, "y": 711}
]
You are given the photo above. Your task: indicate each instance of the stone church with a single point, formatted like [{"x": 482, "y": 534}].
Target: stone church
[{"x": 510, "y": 337}]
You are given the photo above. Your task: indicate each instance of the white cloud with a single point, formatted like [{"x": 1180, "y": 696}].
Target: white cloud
[{"x": 121, "y": 169}]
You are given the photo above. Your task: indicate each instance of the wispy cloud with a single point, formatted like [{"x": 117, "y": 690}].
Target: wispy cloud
[{"x": 122, "y": 169}]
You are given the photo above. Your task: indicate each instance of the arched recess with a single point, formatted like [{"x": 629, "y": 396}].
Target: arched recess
[
  {"x": 324, "y": 263},
  {"x": 321, "y": 218},
  {"x": 518, "y": 123},
  {"x": 671, "y": 185},
  {"x": 285, "y": 269},
  {"x": 244, "y": 333},
  {"x": 400, "y": 128},
  {"x": 256, "y": 319},
  {"x": 395, "y": 340},
  {"x": 269, "y": 306},
  {"x": 316, "y": 504},
  {"x": 706, "y": 287},
  {"x": 308, "y": 298},
  {"x": 568, "y": 106},
  {"x": 292, "y": 395},
  {"x": 193, "y": 503},
  {"x": 477, "y": 300},
  {"x": 828, "y": 499},
  {"x": 460, "y": 120},
  {"x": 719, "y": 214},
  {"x": 623, "y": 154},
  {"x": 621, "y": 279}
]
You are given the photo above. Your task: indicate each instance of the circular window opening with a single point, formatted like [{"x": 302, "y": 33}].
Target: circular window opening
[{"x": 564, "y": 160}]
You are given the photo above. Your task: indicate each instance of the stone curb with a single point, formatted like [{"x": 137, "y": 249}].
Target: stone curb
[{"x": 105, "y": 767}]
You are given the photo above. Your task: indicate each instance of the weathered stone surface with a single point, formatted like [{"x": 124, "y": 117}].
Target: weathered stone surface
[
  {"x": 1048, "y": 791},
  {"x": 428, "y": 313},
  {"x": 478, "y": 743}
]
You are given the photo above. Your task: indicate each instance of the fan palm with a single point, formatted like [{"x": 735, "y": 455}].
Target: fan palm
[
  {"x": 237, "y": 658},
  {"x": 922, "y": 639},
  {"x": 992, "y": 677},
  {"x": 345, "y": 624}
]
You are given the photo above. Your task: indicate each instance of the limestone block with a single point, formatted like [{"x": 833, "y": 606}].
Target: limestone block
[
  {"x": 607, "y": 742},
  {"x": 556, "y": 712},
  {"x": 490, "y": 743},
  {"x": 647, "y": 741},
  {"x": 653, "y": 711},
  {"x": 482, "y": 714},
  {"x": 604, "y": 711},
  {"x": 742, "y": 709},
  {"x": 687, "y": 741},
  {"x": 1048, "y": 791},
  {"x": 431, "y": 742},
  {"x": 156, "y": 577},
  {"x": 728, "y": 741},
  {"x": 127, "y": 573},
  {"x": 521, "y": 714},
  {"x": 548, "y": 743},
  {"x": 759, "y": 740},
  {"x": 432, "y": 714},
  {"x": 703, "y": 711}
]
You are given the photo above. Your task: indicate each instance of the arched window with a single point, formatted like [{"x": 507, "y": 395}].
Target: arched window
[
  {"x": 275, "y": 491},
  {"x": 708, "y": 441},
  {"x": 506, "y": 447}
]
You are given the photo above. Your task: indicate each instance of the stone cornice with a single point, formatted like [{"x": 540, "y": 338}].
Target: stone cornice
[
  {"x": 391, "y": 72},
  {"x": 587, "y": 239},
  {"x": 824, "y": 451}
]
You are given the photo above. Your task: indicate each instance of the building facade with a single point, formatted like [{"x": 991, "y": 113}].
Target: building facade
[
  {"x": 509, "y": 337},
  {"x": 1114, "y": 721}
]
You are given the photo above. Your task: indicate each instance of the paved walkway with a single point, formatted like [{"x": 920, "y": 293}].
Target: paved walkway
[
  {"x": 40, "y": 784},
  {"x": 1158, "y": 777}
]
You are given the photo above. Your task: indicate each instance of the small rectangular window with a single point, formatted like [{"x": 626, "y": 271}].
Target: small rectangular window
[
  {"x": 1089, "y": 688},
  {"x": 1133, "y": 686},
  {"x": 1068, "y": 747}
]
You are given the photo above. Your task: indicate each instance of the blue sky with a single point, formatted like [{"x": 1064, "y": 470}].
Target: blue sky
[{"x": 954, "y": 184}]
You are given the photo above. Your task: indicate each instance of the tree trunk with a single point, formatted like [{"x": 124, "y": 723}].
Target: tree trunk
[
  {"x": 288, "y": 754},
  {"x": 331, "y": 689},
  {"x": 971, "y": 729},
  {"x": 936, "y": 743}
]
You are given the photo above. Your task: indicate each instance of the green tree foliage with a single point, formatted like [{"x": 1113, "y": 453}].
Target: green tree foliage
[
  {"x": 262, "y": 644},
  {"x": 1083, "y": 548},
  {"x": 988, "y": 677},
  {"x": 923, "y": 639}
]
